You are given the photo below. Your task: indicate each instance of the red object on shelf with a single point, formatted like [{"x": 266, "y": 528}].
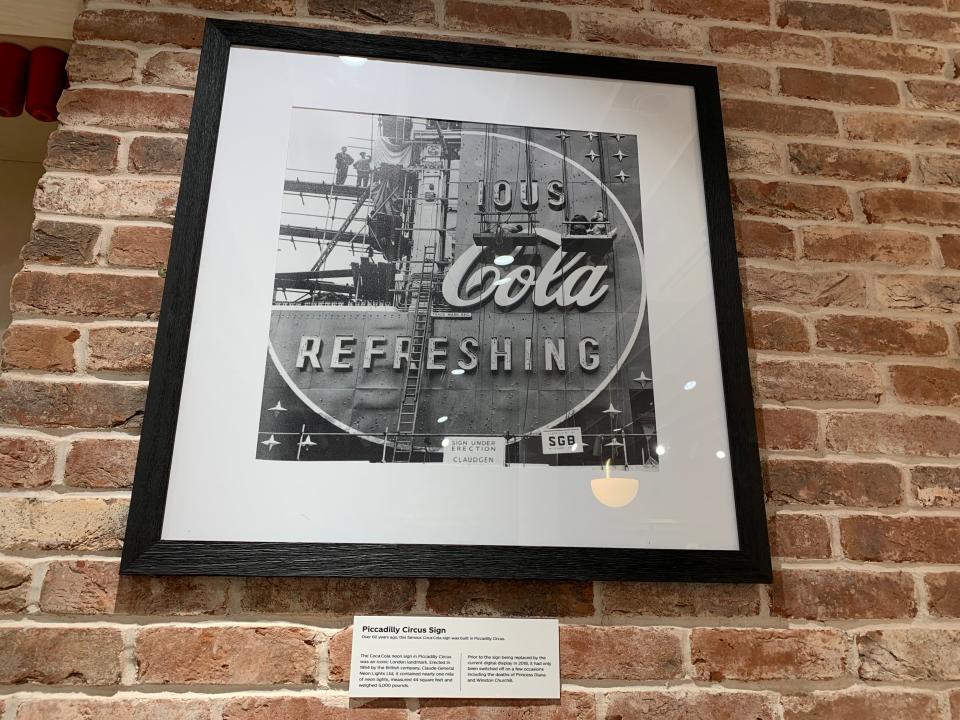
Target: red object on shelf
[
  {"x": 14, "y": 61},
  {"x": 47, "y": 79}
]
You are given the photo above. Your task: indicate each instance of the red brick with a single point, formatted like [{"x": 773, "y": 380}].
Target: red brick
[
  {"x": 856, "y": 245},
  {"x": 764, "y": 239},
  {"x": 743, "y": 79},
  {"x": 68, "y": 243},
  {"x": 915, "y": 129},
  {"x": 148, "y": 28},
  {"x": 940, "y": 169},
  {"x": 280, "y": 707},
  {"x": 339, "y": 650},
  {"x": 226, "y": 655},
  {"x": 44, "y": 403},
  {"x": 680, "y": 599},
  {"x": 841, "y": 595},
  {"x": 860, "y": 703},
  {"x": 62, "y": 524},
  {"x": 677, "y": 704},
  {"x": 827, "y": 482},
  {"x": 261, "y": 7},
  {"x": 926, "y": 385},
  {"x": 929, "y": 27},
  {"x": 121, "y": 349},
  {"x": 107, "y": 197},
  {"x": 950, "y": 250},
  {"x": 87, "y": 294},
  {"x": 60, "y": 656},
  {"x": 108, "y": 709},
  {"x": 828, "y": 288},
  {"x": 760, "y": 654},
  {"x": 172, "y": 68},
  {"x": 943, "y": 594},
  {"x": 787, "y": 380},
  {"x": 848, "y": 163},
  {"x": 796, "y": 535},
  {"x": 752, "y": 155},
  {"x": 934, "y": 95},
  {"x": 39, "y": 347},
  {"x": 510, "y": 597},
  {"x": 642, "y": 32},
  {"x": 909, "y": 655},
  {"x": 768, "y": 45},
  {"x": 379, "y": 12},
  {"x": 151, "y": 154},
  {"x": 834, "y": 18},
  {"x": 14, "y": 586},
  {"x": 25, "y": 461},
  {"x": 327, "y": 596},
  {"x": 781, "y": 119},
  {"x": 126, "y": 109},
  {"x": 888, "y": 205},
  {"x": 100, "y": 462},
  {"x": 881, "y": 335},
  {"x": 792, "y": 200},
  {"x": 591, "y": 652},
  {"x": 879, "y": 538},
  {"x": 889, "y": 433},
  {"x": 936, "y": 485},
  {"x": 92, "y": 587},
  {"x": 787, "y": 429},
  {"x": 139, "y": 246},
  {"x": 934, "y": 293},
  {"x": 834, "y": 87},
  {"x": 506, "y": 20},
  {"x": 876, "y": 55},
  {"x": 100, "y": 63},
  {"x": 774, "y": 330},
  {"x": 82, "y": 151},
  {"x": 572, "y": 706},
  {"x": 750, "y": 11}
]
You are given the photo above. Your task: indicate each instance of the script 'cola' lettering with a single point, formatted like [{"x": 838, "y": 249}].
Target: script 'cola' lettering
[{"x": 561, "y": 283}]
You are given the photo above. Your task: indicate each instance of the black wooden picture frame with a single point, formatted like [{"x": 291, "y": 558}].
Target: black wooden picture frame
[{"x": 144, "y": 551}]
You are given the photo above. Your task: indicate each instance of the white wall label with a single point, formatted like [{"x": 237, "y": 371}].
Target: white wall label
[
  {"x": 561, "y": 441},
  {"x": 488, "y": 451},
  {"x": 432, "y": 657}
]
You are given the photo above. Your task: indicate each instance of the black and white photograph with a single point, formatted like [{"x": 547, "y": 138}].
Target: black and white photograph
[
  {"x": 454, "y": 311},
  {"x": 458, "y": 292}
]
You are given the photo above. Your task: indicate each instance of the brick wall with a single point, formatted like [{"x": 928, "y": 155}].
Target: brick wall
[{"x": 843, "y": 128}]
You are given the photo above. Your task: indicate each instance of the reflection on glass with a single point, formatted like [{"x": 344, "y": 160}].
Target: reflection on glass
[{"x": 614, "y": 492}]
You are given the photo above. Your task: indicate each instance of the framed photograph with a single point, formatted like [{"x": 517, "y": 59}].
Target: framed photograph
[{"x": 437, "y": 309}]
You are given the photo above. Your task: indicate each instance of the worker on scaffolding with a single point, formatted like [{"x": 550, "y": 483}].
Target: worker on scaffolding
[
  {"x": 344, "y": 161},
  {"x": 362, "y": 166}
]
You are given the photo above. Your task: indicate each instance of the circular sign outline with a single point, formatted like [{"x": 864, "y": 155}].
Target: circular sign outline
[{"x": 600, "y": 386}]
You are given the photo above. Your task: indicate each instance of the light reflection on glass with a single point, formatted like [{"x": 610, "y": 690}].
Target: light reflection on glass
[{"x": 614, "y": 492}]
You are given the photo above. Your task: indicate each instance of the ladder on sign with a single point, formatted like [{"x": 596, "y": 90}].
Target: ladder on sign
[{"x": 421, "y": 303}]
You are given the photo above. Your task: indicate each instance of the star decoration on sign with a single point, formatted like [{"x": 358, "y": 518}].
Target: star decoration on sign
[
  {"x": 619, "y": 137},
  {"x": 590, "y": 135},
  {"x": 562, "y": 135},
  {"x": 620, "y": 155},
  {"x": 306, "y": 442},
  {"x": 592, "y": 155},
  {"x": 277, "y": 409},
  {"x": 270, "y": 442},
  {"x": 622, "y": 176}
]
